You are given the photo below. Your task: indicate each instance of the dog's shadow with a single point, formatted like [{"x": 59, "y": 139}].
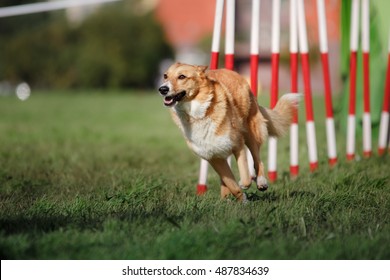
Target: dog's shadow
[{"x": 263, "y": 196}]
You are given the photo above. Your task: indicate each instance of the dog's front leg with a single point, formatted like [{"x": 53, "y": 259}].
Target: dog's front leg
[
  {"x": 242, "y": 162},
  {"x": 225, "y": 173},
  {"x": 225, "y": 192}
]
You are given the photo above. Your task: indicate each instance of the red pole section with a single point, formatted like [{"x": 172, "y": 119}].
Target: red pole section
[
  {"x": 366, "y": 78},
  {"x": 272, "y": 142},
  {"x": 351, "y": 124},
  {"x": 304, "y": 49},
  {"x": 330, "y": 127},
  {"x": 202, "y": 181},
  {"x": 385, "y": 116},
  {"x": 294, "y": 140}
]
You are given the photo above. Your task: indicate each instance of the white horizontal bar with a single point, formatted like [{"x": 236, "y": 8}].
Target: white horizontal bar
[{"x": 46, "y": 7}]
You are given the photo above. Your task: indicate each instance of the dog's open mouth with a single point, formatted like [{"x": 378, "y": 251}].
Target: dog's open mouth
[{"x": 173, "y": 99}]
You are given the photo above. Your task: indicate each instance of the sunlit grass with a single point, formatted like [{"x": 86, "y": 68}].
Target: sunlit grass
[{"x": 108, "y": 176}]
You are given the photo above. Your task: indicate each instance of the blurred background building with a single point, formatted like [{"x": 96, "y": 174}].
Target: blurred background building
[
  {"x": 189, "y": 27},
  {"x": 128, "y": 43}
]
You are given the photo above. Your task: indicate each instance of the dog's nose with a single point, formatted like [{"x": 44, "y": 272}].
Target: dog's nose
[{"x": 163, "y": 90}]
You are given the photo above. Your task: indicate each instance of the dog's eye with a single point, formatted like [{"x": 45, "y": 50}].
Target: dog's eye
[
  {"x": 181, "y": 77},
  {"x": 165, "y": 76}
]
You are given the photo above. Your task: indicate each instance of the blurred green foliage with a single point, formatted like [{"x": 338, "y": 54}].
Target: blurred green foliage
[{"x": 114, "y": 47}]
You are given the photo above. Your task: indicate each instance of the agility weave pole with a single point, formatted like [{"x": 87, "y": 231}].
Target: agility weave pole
[
  {"x": 202, "y": 182},
  {"x": 294, "y": 163},
  {"x": 330, "y": 127},
  {"x": 229, "y": 41},
  {"x": 366, "y": 77},
  {"x": 385, "y": 115},
  {"x": 304, "y": 51},
  {"x": 254, "y": 65},
  {"x": 298, "y": 38},
  {"x": 354, "y": 41},
  {"x": 275, "y": 49},
  {"x": 353, "y": 46}
]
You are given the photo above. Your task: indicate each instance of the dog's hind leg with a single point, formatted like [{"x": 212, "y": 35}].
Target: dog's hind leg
[
  {"x": 225, "y": 173},
  {"x": 242, "y": 162},
  {"x": 254, "y": 148}
]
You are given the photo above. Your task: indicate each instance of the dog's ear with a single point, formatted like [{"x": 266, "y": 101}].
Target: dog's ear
[{"x": 201, "y": 69}]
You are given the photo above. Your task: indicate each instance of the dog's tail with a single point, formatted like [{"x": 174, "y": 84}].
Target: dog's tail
[{"x": 279, "y": 118}]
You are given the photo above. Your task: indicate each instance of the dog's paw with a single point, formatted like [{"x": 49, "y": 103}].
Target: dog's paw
[
  {"x": 262, "y": 184},
  {"x": 244, "y": 198},
  {"x": 243, "y": 186}
]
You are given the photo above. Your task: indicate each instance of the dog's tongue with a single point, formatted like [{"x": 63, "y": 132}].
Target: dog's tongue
[{"x": 168, "y": 101}]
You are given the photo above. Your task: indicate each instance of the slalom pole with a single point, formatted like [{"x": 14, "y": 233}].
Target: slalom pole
[
  {"x": 384, "y": 125},
  {"x": 202, "y": 182},
  {"x": 330, "y": 127},
  {"x": 366, "y": 78},
  {"x": 275, "y": 46},
  {"x": 353, "y": 45},
  {"x": 254, "y": 49},
  {"x": 294, "y": 164},
  {"x": 229, "y": 43},
  {"x": 304, "y": 50},
  {"x": 254, "y": 65}
]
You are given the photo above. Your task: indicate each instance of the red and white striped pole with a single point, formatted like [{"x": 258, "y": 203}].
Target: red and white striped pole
[
  {"x": 202, "y": 182},
  {"x": 304, "y": 50},
  {"x": 366, "y": 78},
  {"x": 229, "y": 40},
  {"x": 229, "y": 43},
  {"x": 353, "y": 45},
  {"x": 254, "y": 64},
  {"x": 330, "y": 128},
  {"x": 385, "y": 116},
  {"x": 294, "y": 164},
  {"x": 254, "y": 49},
  {"x": 275, "y": 46}
]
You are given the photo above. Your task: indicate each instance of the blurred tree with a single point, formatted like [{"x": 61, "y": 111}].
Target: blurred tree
[{"x": 113, "y": 47}]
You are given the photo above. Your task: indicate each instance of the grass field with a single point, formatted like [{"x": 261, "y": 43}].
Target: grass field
[{"x": 108, "y": 176}]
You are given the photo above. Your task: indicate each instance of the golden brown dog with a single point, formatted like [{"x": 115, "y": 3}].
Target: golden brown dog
[{"x": 218, "y": 116}]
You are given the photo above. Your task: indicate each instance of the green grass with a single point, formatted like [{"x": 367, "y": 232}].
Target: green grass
[{"x": 108, "y": 176}]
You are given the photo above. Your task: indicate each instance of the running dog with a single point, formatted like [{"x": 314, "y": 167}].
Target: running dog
[{"x": 218, "y": 116}]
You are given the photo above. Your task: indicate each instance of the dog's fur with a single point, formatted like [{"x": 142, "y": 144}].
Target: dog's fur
[{"x": 218, "y": 116}]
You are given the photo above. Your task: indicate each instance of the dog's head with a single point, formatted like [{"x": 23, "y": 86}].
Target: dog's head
[{"x": 181, "y": 83}]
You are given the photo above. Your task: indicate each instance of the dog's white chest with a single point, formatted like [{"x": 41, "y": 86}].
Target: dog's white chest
[{"x": 200, "y": 131}]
